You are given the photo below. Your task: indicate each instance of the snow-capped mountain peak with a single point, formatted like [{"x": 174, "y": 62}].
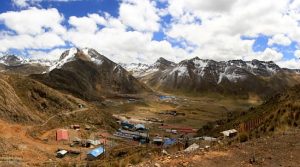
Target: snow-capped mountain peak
[
  {"x": 12, "y": 60},
  {"x": 73, "y": 54},
  {"x": 67, "y": 56},
  {"x": 204, "y": 69}
]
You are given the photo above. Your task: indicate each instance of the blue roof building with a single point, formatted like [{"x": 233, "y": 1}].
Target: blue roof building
[
  {"x": 95, "y": 153},
  {"x": 168, "y": 142}
]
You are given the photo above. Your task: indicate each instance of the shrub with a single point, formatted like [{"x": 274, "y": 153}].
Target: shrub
[{"x": 243, "y": 137}]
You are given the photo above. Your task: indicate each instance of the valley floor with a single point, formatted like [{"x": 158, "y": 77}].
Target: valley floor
[{"x": 18, "y": 148}]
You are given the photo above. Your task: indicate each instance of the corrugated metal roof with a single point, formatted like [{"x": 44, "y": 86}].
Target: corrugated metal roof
[
  {"x": 62, "y": 152},
  {"x": 228, "y": 132},
  {"x": 97, "y": 151},
  {"x": 169, "y": 142},
  {"x": 140, "y": 126}
]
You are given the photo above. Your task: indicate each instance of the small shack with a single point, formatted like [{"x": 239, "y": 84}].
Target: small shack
[
  {"x": 229, "y": 133},
  {"x": 76, "y": 127},
  {"x": 94, "y": 142},
  {"x": 140, "y": 127},
  {"x": 61, "y": 153},
  {"x": 62, "y": 135},
  {"x": 87, "y": 127},
  {"x": 127, "y": 125},
  {"x": 95, "y": 153},
  {"x": 158, "y": 141}
]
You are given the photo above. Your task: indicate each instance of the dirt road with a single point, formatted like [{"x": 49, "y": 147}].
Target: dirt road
[{"x": 63, "y": 113}]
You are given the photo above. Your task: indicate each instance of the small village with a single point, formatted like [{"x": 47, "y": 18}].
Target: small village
[{"x": 84, "y": 142}]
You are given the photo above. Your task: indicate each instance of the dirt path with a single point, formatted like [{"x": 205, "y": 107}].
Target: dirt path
[
  {"x": 63, "y": 113},
  {"x": 23, "y": 147}
]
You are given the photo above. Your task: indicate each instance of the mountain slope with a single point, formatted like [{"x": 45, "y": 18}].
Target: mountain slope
[
  {"x": 235, "y": 77},
  {"x": 25, "y": 100},
  {"x": 279, "y": 113},
  {"x": 90, "y": 75},
  {"x": 18, "y": 65},
  {"x": 140, "y": 70}
]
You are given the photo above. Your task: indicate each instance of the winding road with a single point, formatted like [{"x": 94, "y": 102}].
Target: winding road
[{"x": 64, "y": 113}]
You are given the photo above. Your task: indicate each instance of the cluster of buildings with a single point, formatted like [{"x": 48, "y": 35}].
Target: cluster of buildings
[
  {"x": 98, "y": 146},
  {"x": 137, "y": 132}
]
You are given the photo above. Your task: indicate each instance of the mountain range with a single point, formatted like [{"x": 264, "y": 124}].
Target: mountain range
[
  {"x": 200, "y": 76},
  {"x": 93, "y": 74}
]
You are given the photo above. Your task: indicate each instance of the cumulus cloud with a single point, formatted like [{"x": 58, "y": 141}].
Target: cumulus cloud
[
  {"x": 269, "y": 55},
  {"x": 121, "y": 45},
  {"x": 297, "y": 54},
  {"x": 141, "y": 15},
  {"x": 218, "y": 36},
  {"x": 27, "y": 3},
  {"x": 279, "y": 39},
  {"x": 46, "y": 55},
  {"x": 83, "y": 24},
  {"x": 291, "y": 64},
  {"x": 211, "y": 29},
  {"x": 20, "y": 3},
  {"x": 33, "y": 21},
  {"x": 42, "y": 41},
  {"x": 32, "y": 29}
]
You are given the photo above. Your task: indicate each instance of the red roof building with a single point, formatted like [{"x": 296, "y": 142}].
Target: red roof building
[{"x": 62, "y": 134}]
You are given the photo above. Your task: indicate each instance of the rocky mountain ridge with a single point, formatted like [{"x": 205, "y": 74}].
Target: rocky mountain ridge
[
  {"x": 92, "y": 75},
  {"x": 235, "y": 77}
]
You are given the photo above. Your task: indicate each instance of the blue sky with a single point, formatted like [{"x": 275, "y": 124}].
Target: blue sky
[{"x": 144, "y": 30}]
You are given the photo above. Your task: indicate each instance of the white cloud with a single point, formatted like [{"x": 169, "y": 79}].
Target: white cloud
[
  {"x": 269, "y": 55},
  {"x": 297, "y": 54},
  {"x": 83, "y": 24},
  {"x": 279, "y": 39},
  {"x": 42, "y": 41},
  {"x": 207, "y": 29},
  {"x": 20, "y": 3},
  {"x": 126, "y": 46},
  {"x": 141, "y": 15},
  {"x": 27, "y": 3},
  {"x": 218, "y": 36},
  {"x": 50, "y": 55},
  {"x": 33, "y": 21},
  {"x": 33, "y": 29},
  {"x": 291, "y": 64},
  {"x": 117, "y": 43}
]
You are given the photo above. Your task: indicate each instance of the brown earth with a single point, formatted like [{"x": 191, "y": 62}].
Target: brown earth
[{"x": 279, "y": 150}]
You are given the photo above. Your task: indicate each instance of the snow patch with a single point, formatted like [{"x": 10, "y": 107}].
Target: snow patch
[
  {"x": 96, "y": 61},
  {"x": 232, "y": 77},
  {"x": 181, "y": 70},
  {"x": 85, "y": 51},
  {"x": 200, "y": 63},
  {"x": 70, "y": 57}
]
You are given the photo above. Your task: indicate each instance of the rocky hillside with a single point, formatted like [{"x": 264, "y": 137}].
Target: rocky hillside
[
  {"x": 140, "y": 70},
  {"x": 235, "y": 77},
  {"x": 25, "y": 100},
  {"x": 89, "y": 75},
  {"x": 279, "y": 113}
]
